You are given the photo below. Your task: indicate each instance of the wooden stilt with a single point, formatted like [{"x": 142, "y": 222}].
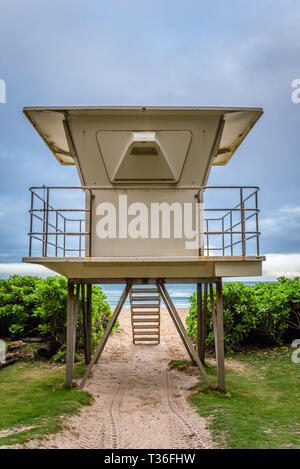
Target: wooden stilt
[
  {"x": 84, "y": 321},
  {"x": 202, "y": 312},
  {"x": 199, "y": 317},
  {"x": 176, "y": 318},
  {"x": 220, "y": 337},
  {"x": 89, "y": 323},
  {"x": 214, "y": 317},
  {"x": 107, "y": 333},
  {"x": 70, "y": 335},
  {"x": 72, "y": 314}
]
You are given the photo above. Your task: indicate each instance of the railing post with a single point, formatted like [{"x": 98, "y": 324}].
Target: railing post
[
  {"x": 47, "y": 220},
  {"x": 44, "y": 222},
  {"x": 90, "y": 223},
  {"x": 31, "y": 224},
  {"x": 242, "y": 222},
  {"x": 207, "y": 239},
  {"x": 56, "y": 228},
  {"x": 223, "y": 249},
  {"x": 256, "y": 217},
  {"x": 80, "y": 238},
  {"x": 231, "y": 238},
  {"x": 64, "y": 251}
]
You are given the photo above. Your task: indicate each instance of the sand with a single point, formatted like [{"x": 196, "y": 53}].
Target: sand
[{"x": 138, "y": 401}]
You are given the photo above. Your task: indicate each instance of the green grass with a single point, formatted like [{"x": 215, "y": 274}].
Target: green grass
[
  {"x": 261, "y": 408},
  {"x": 34, "y": 394}
]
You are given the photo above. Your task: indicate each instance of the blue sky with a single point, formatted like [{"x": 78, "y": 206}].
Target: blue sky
[{"x": 126, "y": 52}]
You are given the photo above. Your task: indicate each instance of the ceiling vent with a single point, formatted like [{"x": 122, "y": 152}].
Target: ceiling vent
[{"x": 149, "y": 156}]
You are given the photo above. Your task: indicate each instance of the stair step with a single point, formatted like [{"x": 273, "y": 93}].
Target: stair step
[
  {"x": 145, "y": 298},
  {"x": 144, "y": 290},
  {"x": 154, "y": 317},
  {"x": 146, "y": 339},
  {"x": 145, "y": 306},
  {"x": 145, "y": 326},
  {"x": 148, "y": 323},
  {"x": 146, "y": 333},
  {"x": 155, "y": 321},
  {"x": 145, "y": 313},
  {"x": 148, "y": 318}
]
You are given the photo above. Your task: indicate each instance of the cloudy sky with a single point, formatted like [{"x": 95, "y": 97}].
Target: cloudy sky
[{"x": 127, "y": 52}]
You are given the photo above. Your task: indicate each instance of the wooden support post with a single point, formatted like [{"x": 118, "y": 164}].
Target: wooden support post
[
  {"x": 72, "y": 314},
  {"x": 176, "y": 319},
  {"x": 84, "y": 321},
  {"x": 70, "y": 335},
  {"x": 214, "y": 317},
  {"x": 202, "y": 312},
  {"x": 199, "y": 317},
  {"x": 107, "y": 333},
  {"x": 220, "y": 337},
  {"x": 89, "y": 323},
  {"x": 86, "y": 297}
]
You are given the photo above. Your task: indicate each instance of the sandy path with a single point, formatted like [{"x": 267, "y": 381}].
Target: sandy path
[{"x": 139, "y": 403}]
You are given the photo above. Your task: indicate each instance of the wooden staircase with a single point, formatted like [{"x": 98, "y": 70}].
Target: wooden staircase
[{"x": 145, "y": 315}]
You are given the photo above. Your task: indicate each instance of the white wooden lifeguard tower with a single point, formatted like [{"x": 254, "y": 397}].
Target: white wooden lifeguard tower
[{"x": 136, "y": 164}]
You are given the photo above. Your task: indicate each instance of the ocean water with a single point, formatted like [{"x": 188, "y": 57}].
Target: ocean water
[{"x": 180, "y": 294}]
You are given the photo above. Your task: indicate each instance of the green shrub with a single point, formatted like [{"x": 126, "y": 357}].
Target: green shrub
[
  {"x": 51, "y": 306},
  {"x": 265, "y": 313},
  {"x": 17, "y": 301},
  {"x": 35, "y": 305}
]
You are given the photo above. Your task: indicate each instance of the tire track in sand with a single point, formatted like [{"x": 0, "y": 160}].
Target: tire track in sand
[
  {"x": 179, "y": 409},
  {"x": 114, "y": 428}
]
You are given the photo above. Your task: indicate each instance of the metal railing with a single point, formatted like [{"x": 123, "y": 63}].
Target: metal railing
[
  {"x": 237, "y": 234},
  {"x": 53, "y": 231},
  {"x": 231, "y": 236}
]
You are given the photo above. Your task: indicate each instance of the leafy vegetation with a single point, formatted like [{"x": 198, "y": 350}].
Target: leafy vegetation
[
  {"x": 32, "y": 305},
  {"x": 261, "y": 409},
  {"x": 33, "y": 398},
  {"x": 265, "y": 313}
]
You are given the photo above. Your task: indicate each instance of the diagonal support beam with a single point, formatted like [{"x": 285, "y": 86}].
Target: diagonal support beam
[
  {"x": 189, "y": 351},
  {"x": 107, "y": 333},
  {"x": 181, "y": 329},
  {"x": 72, "y": 314}
]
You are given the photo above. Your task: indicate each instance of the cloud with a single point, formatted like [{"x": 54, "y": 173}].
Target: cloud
[
  {"x": 295, "y": 211},
  {"x": 285, "y": 221},
  {"x": 18, "y": 268},
  {"x": 278, "y": 265}
]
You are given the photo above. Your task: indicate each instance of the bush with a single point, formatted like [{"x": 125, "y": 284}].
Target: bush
[
  {"x": 18, "y": 299},
  {"x": 31, "y": 304},
  {"x": 265, "y": 313},
  {"x": 51, "y": 307}
]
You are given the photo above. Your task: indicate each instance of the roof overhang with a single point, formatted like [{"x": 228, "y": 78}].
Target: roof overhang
[{"x": 50, "y": 123}]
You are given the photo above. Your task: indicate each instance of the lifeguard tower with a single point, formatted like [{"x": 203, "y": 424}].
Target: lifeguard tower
[{"x": 147, "y": 217}]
